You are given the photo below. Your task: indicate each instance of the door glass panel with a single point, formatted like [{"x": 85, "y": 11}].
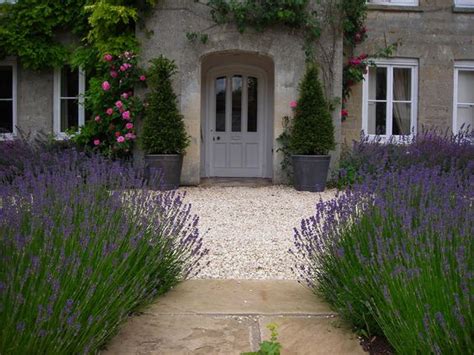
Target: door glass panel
[
  {"x": 252, "y": 86},
  {"x": 6, "y": 116},
  {"x": 377, "y": 83},
  {"x": 6, "y": 82},
  {"x": 401, "y": 119},
  {"x": 220, "y": 104},
  {"x": 377, "y": 123},
  {"x": 402, "y": 84},
  {"x": 69, "y": 114},
  {"x": 236, "y": 103},
  {"x": 69, "y": 82},
  {"x": 466, "y": 87}
]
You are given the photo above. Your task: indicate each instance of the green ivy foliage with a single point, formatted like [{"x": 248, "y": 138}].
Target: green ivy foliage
[
  {"x": 312, "y": 132},
  {"x": 163, "y": 125}
]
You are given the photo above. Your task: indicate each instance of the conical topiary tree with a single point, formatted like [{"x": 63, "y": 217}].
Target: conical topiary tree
[
  {"x": 312, "y": 132},
  {"x": 163, "y": 129}
]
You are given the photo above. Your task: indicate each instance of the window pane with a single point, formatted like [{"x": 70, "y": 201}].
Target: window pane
[
  {"x": 6, "y": 82},
  {"x": 220, "y": 104},
  {"x": 401, "y": 119},
  {"x": 402, "y": 84},
  {"x": 69, "y": 82},
  {"x": 69, "y": 114},
  {"x": 377, "y": 83},
  {"x": 466, "y": 87},
  {"x": 6, "y": 116},
  {"x": 465, "y": 117},
  {"x": 252, "y": 104},
  {"x": 377, "y": 123},
  {"x": 236, "y": 103}
]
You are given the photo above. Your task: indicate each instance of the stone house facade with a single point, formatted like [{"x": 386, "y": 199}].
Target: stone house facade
[
  {"x": 235, "y": 89},
  {"x": 429, "y": 82}
]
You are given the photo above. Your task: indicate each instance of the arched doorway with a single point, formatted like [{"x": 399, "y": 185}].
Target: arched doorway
[{"x": 237, "y": 122}]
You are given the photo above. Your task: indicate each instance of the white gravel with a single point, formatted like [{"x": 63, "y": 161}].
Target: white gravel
[{"x": 249, "y": 230}]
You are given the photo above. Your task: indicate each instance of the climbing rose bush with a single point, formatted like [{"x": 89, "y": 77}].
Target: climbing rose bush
[
  {"x": 84, "y": 242},
  {"x": 394, "y": 256},
  {"x": 111, "y": 98}
]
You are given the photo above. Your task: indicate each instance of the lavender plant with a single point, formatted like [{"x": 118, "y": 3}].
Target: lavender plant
[
  {"x": 429, "y": 148},
  {"x": 84, "y": 242},
  {"x": 394, "y": 256}
]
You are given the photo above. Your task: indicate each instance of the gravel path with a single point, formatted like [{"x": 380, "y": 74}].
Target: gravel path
[{"x": 249, "y": 230}]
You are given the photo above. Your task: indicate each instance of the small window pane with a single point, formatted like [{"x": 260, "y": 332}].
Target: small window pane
[
  {"x": 377, "y": 83},
  {"x": 401, "y": 119},
  {"x": 252, "y": 104},
  {"x": 236, "y": 103},
  {"x": 6, "y": 116},
  {"x": 6, "y": 82},
  {"x": 377, "y": 123},
  {"x": 466, "y": 87},
  {"x": 69, "y": 82},
  {"x": 402, "y": 84},
  {"x": 69, "y": 114},
  {"x": 465, "y": 117},
  {"x": 220, "y": 104}
]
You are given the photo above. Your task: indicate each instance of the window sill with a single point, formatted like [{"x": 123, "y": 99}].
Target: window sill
[
  {"x": 393, "y": 8},
  {"x": 7, "y": 137},
  {"x": 463, "y": 9}
]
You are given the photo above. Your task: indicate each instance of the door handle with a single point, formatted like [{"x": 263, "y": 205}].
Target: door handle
[{"x": 218, "y": 138}]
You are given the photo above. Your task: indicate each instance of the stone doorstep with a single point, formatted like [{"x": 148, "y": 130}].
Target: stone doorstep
[{"x": 211, "y": 317}]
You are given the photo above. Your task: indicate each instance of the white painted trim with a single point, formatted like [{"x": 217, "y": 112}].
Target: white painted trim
[
  {"x": 462, "y": 65},
  {"x": 464, "y": 3},
  {"x": 209, "y": 111},
  {"x": 13, "y": 63},
  {"x": 390, "y": 63},
  {"x": 394, "y": 2},
  {"x": 57, "y": 102}
]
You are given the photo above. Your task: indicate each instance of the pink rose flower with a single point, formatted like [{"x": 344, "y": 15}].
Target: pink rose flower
[
  {"x": 97, "y": 118},
  {"x": 293, "y": 104},
  {"x": 110, "y": 111},
  {"x": 96, "y": 141},
  {"x": 130, "y": 136},
  {"x": 113, "y": 74},
  {"x": 142, "y": 77},
  {"x": 126, "y": 115},
  {"x": 120, "y": 139},
  {"x": 123, "y": 68},
  {"x": 354, "y": 61},
  {"x": 108, "y": 58},
  {"x": 106, "y": 85},
  {"x": 119, "y": 104},
  {"x": 125, "y": 95},
  {"x": 129, "y": 125},
  {"x": 344, "y": 112}
]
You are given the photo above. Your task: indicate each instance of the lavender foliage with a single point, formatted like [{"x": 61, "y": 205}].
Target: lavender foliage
[
  {"x": 84, "y": 242},
  {"x": 394, "y": 255},
  {"x": 430, "y": 148}
]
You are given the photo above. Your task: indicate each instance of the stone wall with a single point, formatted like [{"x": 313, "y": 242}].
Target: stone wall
[{"x": 436, "y": 34}]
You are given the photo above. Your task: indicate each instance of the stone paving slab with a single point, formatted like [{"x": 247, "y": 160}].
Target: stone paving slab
[
  {"x": 240, "y": 297},
  {"x": 230, "y": 317}
]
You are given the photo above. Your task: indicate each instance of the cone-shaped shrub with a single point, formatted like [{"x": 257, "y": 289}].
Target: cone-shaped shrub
[
  {"x": 313, "y": 131},
  {"x": 163, "y": 126}
]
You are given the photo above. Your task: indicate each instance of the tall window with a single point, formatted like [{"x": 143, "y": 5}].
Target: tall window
[
  {"x": 390, "y": 92},
  {"x": 395, "y": 2},
  {"x": 69, "y": 88},
  {"x": 8, "y": 82},
  {"x": 464, "y": 3},
  {"x": 463, "y": 110}
]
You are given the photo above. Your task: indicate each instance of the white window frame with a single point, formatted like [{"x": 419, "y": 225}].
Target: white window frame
[
  {"x": 58, "y": 98},
  {"x": 391, "y": 63},
  {"x": 12, "y": 63},
  {"x": 394, "y": 2},
  {"x": 464, "y": 3},
  {"x": 462, "y": 65}
]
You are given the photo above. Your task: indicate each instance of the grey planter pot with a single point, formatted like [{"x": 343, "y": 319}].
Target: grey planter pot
[
  {"x": 310, "y": 172},
  {"x": 168, "y": 165}
]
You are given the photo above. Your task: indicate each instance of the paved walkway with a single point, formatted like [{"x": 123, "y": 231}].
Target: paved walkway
[{"x": 230, "y": 317}]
